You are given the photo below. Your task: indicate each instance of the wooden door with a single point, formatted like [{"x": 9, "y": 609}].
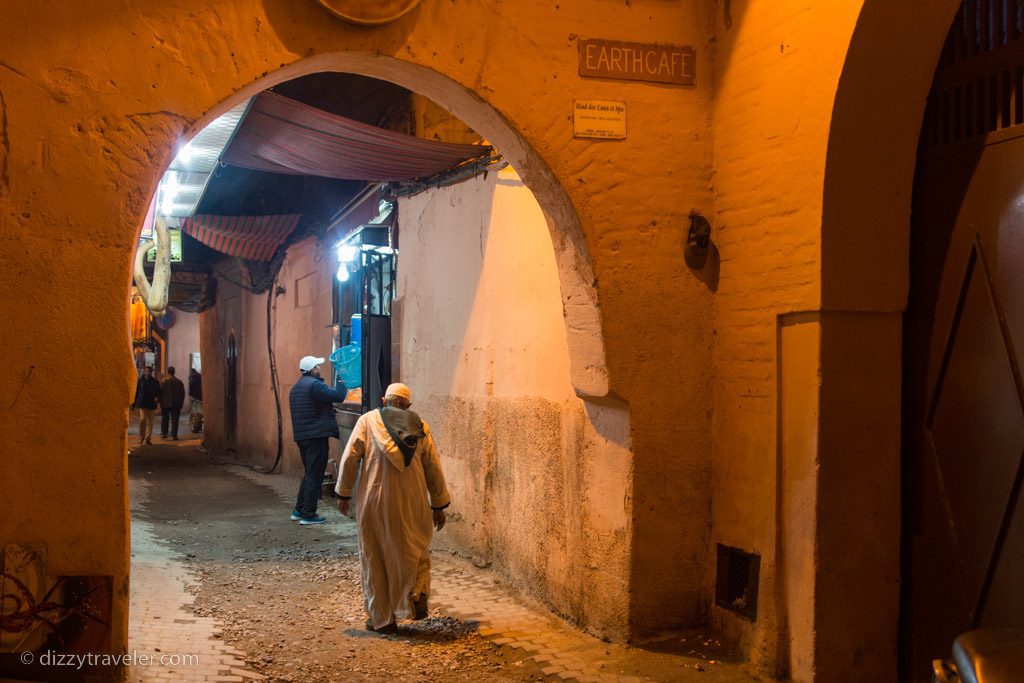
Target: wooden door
[{"x": 963, "y": 524}]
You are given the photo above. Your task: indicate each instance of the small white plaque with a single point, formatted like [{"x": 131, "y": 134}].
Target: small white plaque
[{"x": 600, "y": 119}]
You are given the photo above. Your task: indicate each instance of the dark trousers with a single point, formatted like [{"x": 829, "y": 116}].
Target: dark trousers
[
  {"x": 171, "y": 414},
  {"x": 314, "y": 459}
]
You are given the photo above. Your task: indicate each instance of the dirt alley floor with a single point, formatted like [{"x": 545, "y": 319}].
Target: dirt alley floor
[{"x": 289, "y": 597}]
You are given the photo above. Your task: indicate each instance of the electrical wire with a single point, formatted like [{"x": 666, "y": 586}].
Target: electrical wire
[
  {"x": 272, "y": 294},
  {"x": 223, "y": 276},
  {"x": 465, "y": 171}
]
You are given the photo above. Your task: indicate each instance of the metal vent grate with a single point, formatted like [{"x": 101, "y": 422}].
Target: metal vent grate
[{"x": 736, "y": 581}]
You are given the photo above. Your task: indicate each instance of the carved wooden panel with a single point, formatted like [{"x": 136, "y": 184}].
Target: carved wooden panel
[{"x": 977, "y": 428}]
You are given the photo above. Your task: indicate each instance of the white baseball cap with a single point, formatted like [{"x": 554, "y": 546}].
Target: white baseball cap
[
  {"x": 309, "y": 362},
  {"x": 399, "y": 389}
]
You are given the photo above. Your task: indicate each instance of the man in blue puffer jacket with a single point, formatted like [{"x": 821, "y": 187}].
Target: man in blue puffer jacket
[{"x": 313, "y": 424}]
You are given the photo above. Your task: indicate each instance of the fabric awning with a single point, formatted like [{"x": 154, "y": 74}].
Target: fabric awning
[
  {"x": 362, "y": 208},
  {"x": 249, "y": 237},
  {"x": 281, "y": 135}
]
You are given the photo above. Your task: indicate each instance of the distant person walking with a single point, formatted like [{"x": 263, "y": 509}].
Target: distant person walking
[
  {"x": 147, "y": 394},
  {"x": 312, "y": 407},
  {"x": 195, "y": 395},
  {"x": 172, "y": 398},
  {"x": 401, "y": 495}
]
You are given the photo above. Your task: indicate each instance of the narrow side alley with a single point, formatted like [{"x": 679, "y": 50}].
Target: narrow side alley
[{"x": 221, "y": 573}]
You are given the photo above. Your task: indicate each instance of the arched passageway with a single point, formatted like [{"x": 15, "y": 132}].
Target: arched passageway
[{"x": 498, "y": 378}]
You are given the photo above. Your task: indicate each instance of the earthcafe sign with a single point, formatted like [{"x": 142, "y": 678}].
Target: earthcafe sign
[{"x": 638, "y": 61}]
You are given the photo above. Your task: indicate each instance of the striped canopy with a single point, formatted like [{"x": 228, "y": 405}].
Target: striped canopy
[
  {"x": 249, "y": 237},
  {"x": 281, "y": 135}
]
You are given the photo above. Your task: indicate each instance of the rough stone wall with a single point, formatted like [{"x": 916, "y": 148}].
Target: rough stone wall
[
  {"x": 770, "y": 129},
  {"x": 256, "y": 432},
  {"x": 537, "y": 493},
  {"x": 814, "y": 248}
]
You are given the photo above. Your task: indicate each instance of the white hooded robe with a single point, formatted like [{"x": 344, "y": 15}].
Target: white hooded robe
[{"x": 393, "y": 515}]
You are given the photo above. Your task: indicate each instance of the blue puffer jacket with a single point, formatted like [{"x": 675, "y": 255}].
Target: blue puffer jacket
[{"x": 311, "y": 402}]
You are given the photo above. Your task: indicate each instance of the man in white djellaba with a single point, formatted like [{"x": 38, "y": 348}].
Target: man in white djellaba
[{"x": 400, "y": 499}]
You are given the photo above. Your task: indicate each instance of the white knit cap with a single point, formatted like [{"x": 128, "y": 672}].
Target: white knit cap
[
  {"x": 399, "y": 389},
  {"x": 309, "y": 362}
]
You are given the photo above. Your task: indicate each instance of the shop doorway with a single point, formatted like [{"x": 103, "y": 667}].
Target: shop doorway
[
  {"x": 963, "y": 523},
  {"x": 365, "y": 287}
]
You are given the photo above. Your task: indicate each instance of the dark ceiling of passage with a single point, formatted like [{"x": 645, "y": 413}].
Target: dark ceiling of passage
[
  {"x": 237, "y": 191},
  {"x": 281, "y": 135}
]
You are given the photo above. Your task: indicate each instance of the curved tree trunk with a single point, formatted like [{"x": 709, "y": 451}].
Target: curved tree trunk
[{"x": 155, "y": 295}]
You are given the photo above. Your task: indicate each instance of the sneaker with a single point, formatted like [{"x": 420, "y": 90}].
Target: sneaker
[
  {"x": 420, "y": 608},
  {"x": 295, "y": 516},
  {"x": 387, "y": 630},
  {"x": 315, "y": 519},
  {"x": 149, "y": 441}
]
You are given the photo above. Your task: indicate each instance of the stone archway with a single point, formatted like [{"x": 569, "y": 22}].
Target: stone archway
[
  {"x": 92, "y": 101},
  {"x": 865, "y": 237},
  {"x": 578, "y": 318}
]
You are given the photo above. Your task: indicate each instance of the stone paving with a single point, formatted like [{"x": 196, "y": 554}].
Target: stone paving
[
  {"x": 473, "y": 595},
  {"x": 161, "y": 627},
  {"x": 565, "y": 653},
  {"x": 162, "y": 624}
]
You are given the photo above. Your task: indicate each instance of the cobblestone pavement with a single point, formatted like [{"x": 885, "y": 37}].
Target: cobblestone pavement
[
  {"x": 185, "y": 646},
  {"x": 564, "y": 653},
  {"x": 162, "y": 627},
  {"x": 474, "y": 595}
]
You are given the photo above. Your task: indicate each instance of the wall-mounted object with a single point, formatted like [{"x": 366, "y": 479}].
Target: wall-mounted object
[
  {"x": 650, "y": 62},
  {"x": 698, "y": 241},
  {"x": 599, "y": 119},
  {"x": 369, "y": 12}
]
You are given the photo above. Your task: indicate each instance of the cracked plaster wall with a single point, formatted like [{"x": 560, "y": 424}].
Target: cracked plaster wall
[{"x": 538, "y": 492}]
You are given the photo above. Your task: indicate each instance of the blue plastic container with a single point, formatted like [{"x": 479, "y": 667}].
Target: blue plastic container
[
  {"x": 348, "y": 361},
  {"x": 357, "y": 330}
]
